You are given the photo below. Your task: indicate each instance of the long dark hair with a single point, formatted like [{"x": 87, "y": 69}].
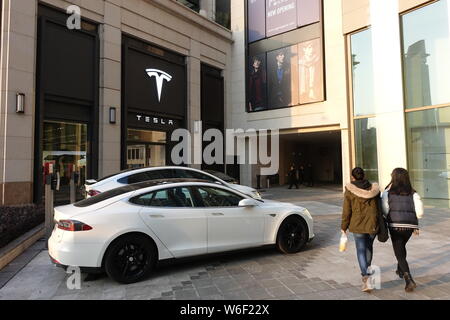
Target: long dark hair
[{"x": 400, "y": 183}]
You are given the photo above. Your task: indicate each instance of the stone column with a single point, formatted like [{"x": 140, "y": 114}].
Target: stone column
[
  {"x": 17, "y": 74},
  {"x": 388, "y": 85},
  {"x": 110, "y": 86},
  {"x": 194, "y": 94}
]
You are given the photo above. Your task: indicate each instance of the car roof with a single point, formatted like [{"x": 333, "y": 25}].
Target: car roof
[{"x": 127, "y": 172}]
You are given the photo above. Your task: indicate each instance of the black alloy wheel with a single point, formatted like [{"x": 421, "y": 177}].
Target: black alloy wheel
[
  {"x": 130, "y": 259},
  {"x": 292, "y": 235}
]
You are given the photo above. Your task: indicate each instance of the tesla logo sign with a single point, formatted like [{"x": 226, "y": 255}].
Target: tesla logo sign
[{"x": 160, "y": 77}]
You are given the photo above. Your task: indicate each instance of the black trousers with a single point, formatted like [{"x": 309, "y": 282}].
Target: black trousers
[{"x": 399, "y": 240}]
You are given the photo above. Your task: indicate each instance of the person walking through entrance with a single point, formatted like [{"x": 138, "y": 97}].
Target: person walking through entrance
[
  {"x": 403, "y": 208},
  {"x": 293, "y": 177},
  {"x": 360, "y": 216}
]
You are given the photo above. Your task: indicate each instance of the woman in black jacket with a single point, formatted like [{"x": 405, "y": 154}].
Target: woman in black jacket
[{"x": 403, "y": 207}]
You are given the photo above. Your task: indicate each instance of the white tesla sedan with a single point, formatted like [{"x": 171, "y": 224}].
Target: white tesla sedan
[
  {"x": 130, "y": 176},
  {"x": 126, "y": 231}
]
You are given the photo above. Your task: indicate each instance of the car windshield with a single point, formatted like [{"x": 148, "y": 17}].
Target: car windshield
[{"x": 221, "y": 175}]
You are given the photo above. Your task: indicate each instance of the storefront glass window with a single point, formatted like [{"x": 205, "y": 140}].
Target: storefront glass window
[
  {"x": 426, "y": 52},
  {"x": 366, "y": 147},
  {"x": 428, "y": 138},
  {"x": 362, "y": 67},
  {"x": 65, "y": 152},
  {"x": 146, "y": 148}
]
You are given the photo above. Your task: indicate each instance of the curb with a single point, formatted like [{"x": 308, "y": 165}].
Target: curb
[{"x": 19, "y": 245}]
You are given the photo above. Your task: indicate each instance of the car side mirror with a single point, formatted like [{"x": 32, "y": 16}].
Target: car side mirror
[{"x": 247, "y": 203}]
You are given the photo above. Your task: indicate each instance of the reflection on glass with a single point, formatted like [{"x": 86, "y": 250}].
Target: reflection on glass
[
  {"x": 428, "y": 138},
  {"x": 146, "y": 148},
  {"x": 65, "y": 150},
  {"x": 362, "y": 67},
  {"x": 426, "y": 52},
  {"x": 366, "y": 147}
]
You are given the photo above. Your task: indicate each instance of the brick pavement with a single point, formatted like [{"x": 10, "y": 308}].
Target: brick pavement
[{"x": 319, "y": 272}]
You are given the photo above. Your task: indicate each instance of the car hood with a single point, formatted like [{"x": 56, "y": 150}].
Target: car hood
[
  {"x": 278, "y": 204},
  {"x": 244, "y": 189}
]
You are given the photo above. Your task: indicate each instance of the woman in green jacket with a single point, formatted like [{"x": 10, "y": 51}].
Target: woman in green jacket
[{"x": 360, "y": 216}]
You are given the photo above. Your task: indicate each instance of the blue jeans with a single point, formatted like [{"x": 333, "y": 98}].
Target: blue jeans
[{"x": 364, "y": 250}]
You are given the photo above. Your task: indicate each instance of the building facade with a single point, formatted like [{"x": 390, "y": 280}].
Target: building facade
[
  {"x": 376, "y": 98},
  {"x": 347, "y": 83},
  {"x": 105, "y": 92}
]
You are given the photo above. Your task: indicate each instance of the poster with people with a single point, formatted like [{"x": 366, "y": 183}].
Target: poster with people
[
  {"x": 310, "y": 64},
  {"x": 256, "y": 20},
  {"x": 281, "y": 16},
  {"x": 282, "y": 77},
  {"x": 257, "y": 86}
]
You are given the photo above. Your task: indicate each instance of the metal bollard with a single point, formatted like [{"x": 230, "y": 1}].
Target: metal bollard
[{"x": 49, "y": 212}]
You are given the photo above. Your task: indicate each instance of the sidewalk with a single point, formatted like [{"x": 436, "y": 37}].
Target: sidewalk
[{"x": 319, "y": 272}]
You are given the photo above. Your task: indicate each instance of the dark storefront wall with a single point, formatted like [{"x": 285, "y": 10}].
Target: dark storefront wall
[
  {"x": 148, "y": 120},
  {"x": 213, "y": 112},
  {"x": 67, "y": 103}
]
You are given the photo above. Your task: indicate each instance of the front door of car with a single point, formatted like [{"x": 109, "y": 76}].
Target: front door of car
[
  {"x": 230, "y": 226},
  {"x": 171, "y": 215}
]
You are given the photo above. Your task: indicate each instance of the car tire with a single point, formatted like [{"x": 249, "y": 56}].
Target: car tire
[
  {"x": 130, "y": 259},
  {"x": 292, "y": 235}
]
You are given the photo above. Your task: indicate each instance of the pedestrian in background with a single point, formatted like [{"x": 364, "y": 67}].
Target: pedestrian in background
[
  {"x": 292, "y": 175},
  {"x": 360, "y": 216},
  {"x": 403, "y": 208}
]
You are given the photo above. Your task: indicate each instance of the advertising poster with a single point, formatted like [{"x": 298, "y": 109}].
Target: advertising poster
[
  {"x": 282, "y": 76},
  {"x": 310, "y": 65},
  {"x": 256, "y": 20},
  {"x": 257, "y": 83},
  {"x": 308, "y": 12},
  {"x": 281, "y": 16}
]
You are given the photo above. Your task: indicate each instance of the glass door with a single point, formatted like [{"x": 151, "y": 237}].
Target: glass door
[
  {"x": 65, "y": 152},
  {"x": 146, "y": 148}
]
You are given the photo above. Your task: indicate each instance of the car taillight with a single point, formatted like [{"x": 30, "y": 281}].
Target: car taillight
[
  {"x": 92, "y": 193},
  {"x": 73, "y": 225}
]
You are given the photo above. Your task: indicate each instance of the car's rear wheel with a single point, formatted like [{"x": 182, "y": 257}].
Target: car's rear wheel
[
  {"x": 292, "y": 235},
  {"x": 130, "y": 259}
]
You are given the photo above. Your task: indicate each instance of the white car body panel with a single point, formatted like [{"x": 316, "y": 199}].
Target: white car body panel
[
  {"x": 234, "y": 228},
  {"x": 182, "y": 230},
  {"x": 177, "y": 232}
]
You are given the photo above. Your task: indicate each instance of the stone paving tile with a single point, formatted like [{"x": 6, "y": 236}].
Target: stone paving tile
[{"x": 278, "y": 292}]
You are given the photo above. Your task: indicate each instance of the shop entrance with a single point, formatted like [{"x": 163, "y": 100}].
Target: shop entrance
[
  {"x": 317, "y": 157},
  {"x": 146, "y": 148},
  {"x": 65, "y": 151}
]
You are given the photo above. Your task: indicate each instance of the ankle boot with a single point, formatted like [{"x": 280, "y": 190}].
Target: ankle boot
[
  {"x": 410, "y": 284},
  {"x": 365, "y": 284}
]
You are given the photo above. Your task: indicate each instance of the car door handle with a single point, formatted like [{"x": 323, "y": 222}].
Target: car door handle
[
  {"x": 217, "y": 214},
  {"x": 156, "y": 216}
]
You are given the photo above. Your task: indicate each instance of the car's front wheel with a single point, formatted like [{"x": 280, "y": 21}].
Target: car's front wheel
[
  {"x": 292, "y": 235},
  {"x": 130, "y": 259}
]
